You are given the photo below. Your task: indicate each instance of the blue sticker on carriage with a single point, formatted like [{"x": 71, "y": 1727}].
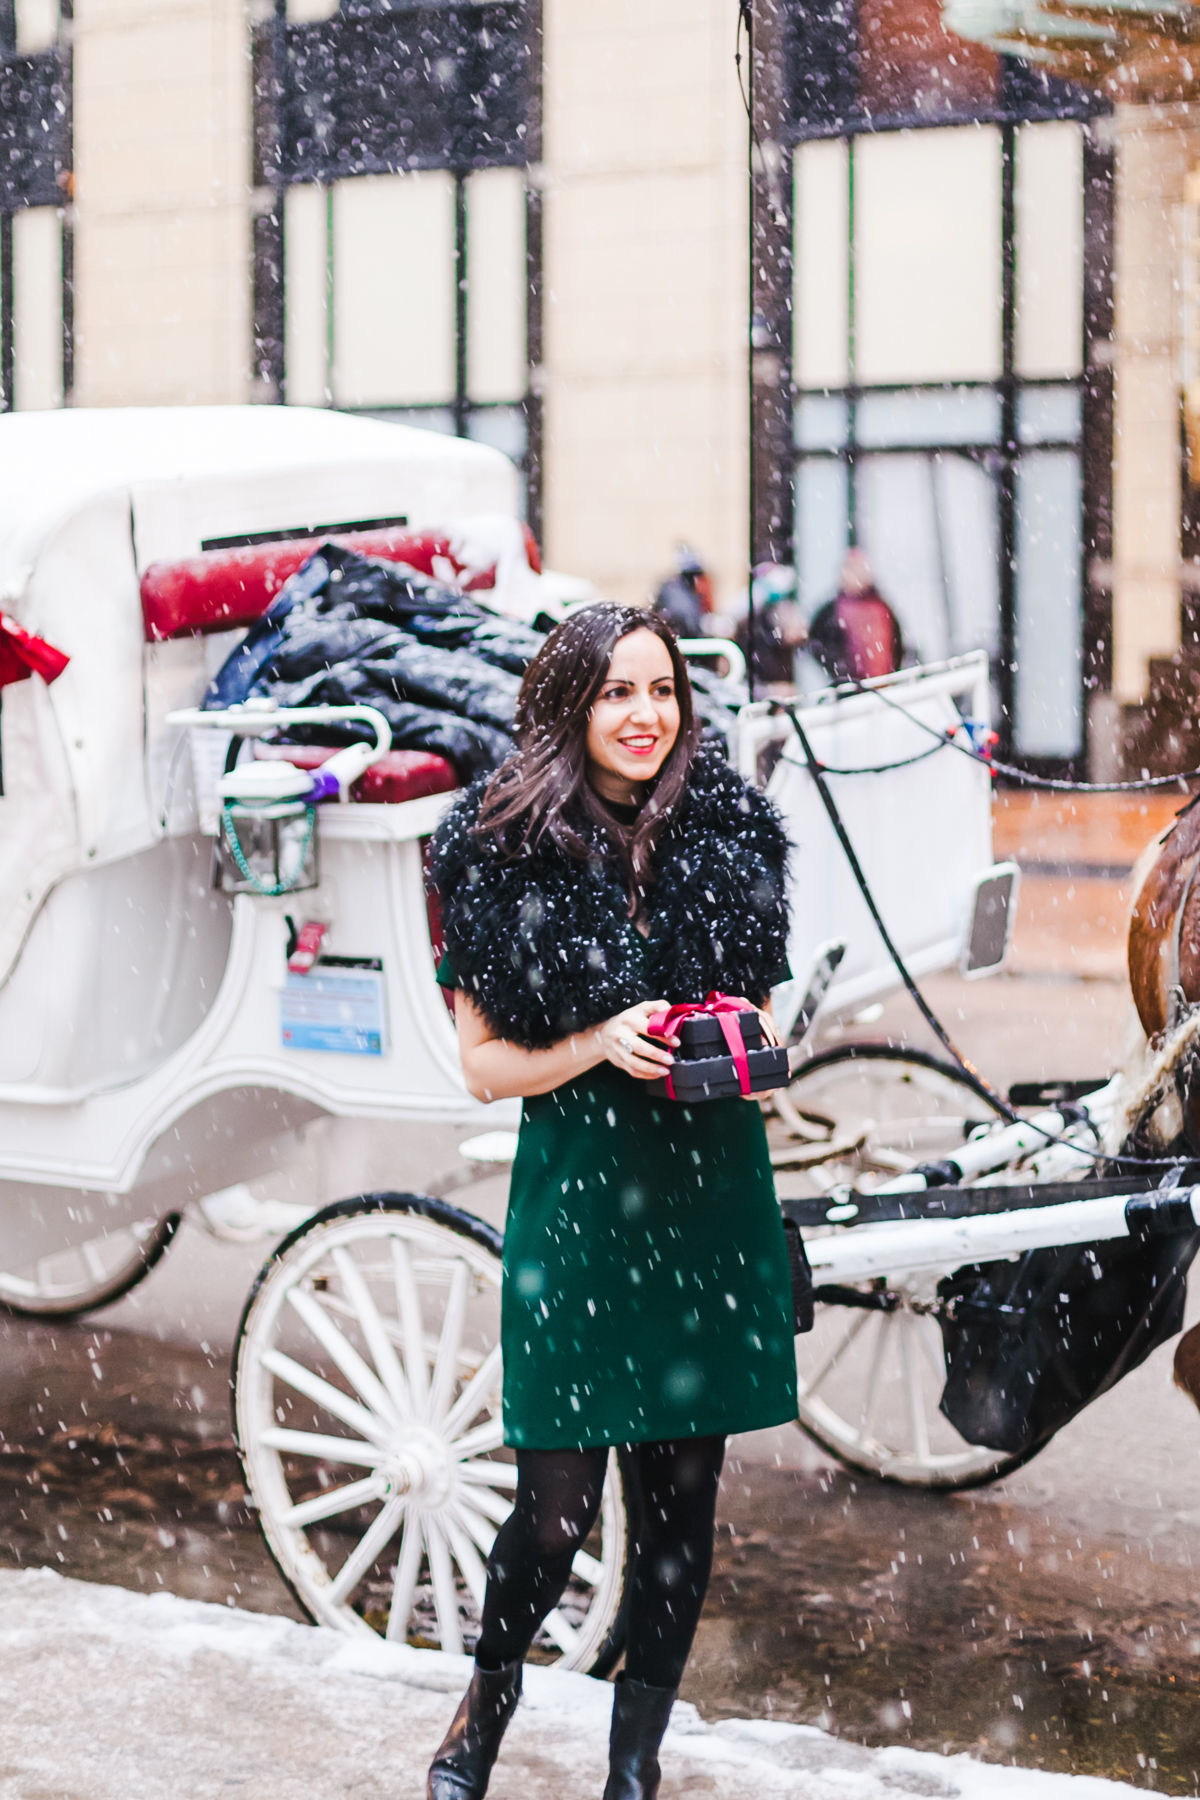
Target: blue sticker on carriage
[{"x": 340, "y": 1010}]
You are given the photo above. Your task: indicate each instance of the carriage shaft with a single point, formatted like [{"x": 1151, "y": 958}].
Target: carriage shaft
[{"x": 911, "y": 1245}]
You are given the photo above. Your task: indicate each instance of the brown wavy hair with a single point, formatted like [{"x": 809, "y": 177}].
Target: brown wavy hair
[{"x": 542, "y": 790}]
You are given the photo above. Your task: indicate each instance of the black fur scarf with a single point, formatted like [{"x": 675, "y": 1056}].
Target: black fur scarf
[{"x": 544, "y": 943}]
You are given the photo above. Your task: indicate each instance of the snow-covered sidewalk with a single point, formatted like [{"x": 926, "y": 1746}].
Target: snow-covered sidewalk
[{"x": 111, "y": 1695}]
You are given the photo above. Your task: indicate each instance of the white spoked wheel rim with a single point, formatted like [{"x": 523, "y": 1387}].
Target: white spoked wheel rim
[
  {"x": 90, "y": 1274},
  {"x": 368, "y": 1414},
  {"x": 869, "y": 1384},
  {"x": 869, "y": 1381}
]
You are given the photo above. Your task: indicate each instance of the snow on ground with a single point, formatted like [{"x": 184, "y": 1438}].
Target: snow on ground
[{"x": 112, "y": 1695}]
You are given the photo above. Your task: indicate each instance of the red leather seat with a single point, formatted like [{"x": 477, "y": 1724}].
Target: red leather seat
[{"x": 399, "y": 775}]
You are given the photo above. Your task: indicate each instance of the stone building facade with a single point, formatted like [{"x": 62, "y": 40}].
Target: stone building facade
[{"x": 531, "y": 221}]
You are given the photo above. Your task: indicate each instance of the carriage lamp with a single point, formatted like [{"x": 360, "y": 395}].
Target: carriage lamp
[
  {"x": 267, "y": 841},
  {"x": 267, "y": 835}
]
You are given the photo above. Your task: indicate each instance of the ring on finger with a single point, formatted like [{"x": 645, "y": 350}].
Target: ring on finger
[{"x": 625, "y": 1041}]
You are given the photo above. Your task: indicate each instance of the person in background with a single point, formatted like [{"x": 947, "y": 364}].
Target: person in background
[
  {"x": 685, "y": 598},
  {"x": 856, "y": 634},
  {"x": 778, "y": 625}
]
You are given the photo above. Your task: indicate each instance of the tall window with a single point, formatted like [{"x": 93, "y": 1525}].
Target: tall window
[
  {"x": 938, "y": 361},
  {"x": 392, "y": 271},
  {"x": 406, "y": 300},
  {"x": 949, "y": 325}
]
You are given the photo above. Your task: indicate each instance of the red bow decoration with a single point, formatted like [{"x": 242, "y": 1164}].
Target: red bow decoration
[
  {"x": 724, "y": 1008},
  {"x": 22, "y": 655}
]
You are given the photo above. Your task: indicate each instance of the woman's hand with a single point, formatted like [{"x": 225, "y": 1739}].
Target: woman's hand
[
  {"x": 770, "y": 1035},
  {"x": 629, "y": 1052},
  {"x": 496, "y": 1070}
]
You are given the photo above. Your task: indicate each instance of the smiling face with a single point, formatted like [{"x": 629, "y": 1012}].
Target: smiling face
[{"x": 634, "y": 720}]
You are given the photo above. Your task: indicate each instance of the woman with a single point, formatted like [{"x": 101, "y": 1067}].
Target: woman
[{"x": 609, "y": 868}]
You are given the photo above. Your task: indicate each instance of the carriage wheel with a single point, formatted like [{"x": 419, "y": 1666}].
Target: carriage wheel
[
  {"x": 367, "y": 1384},
  {"x": 870, "y": 1376},
  {"x": 89, "y": 1275}
]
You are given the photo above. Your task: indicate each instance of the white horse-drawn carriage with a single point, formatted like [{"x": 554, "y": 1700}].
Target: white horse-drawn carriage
[{"x": 156, "y": 1048}]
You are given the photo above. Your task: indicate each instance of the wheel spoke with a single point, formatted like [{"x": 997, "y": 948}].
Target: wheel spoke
[
  {"x": 492, "y": 1506},
  {"x": 912, "y": 1381},
  {"x": 556, "y": 1628},
  {"x": 361, "y": 1378},
  {"x": 405, "y": 1579},
  {"x": 323, "y": 1393},
  {"x": 489, "y": 1436},
  {"x": 337, "y": 1500},
  {"x": 482, "y": 1528},
  {"x": 465, "y": 1555},
  {"x": 313, "y": 1443},
  {"x": 371, "y": 1545},
  {"x": 404, "y": 1584},
  {"x": 586, "y": 1568},
  {"x": 445, "y": 1596},
  {"x": 445, "y": 1371},
  {"x": 487, "y": 1470},
  {"x": 931, "y": 1344},
  {"x": 408, "y": 1303},
  {"x": 475, "y": 1393},
  {"x": 378, "y": 1343},
  {"x": 883, "y": 1336},
  {"x": 848, "y": 1336}
]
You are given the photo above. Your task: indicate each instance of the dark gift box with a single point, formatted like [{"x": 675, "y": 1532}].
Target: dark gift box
[{"x": 704, "y": 1068}]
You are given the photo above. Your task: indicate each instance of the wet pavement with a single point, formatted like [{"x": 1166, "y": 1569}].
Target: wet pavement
[
  {"x": 117, "y": 1464},
  {"x": 1052, "y": 1620},
  {"x": 947, "y": 1622}
]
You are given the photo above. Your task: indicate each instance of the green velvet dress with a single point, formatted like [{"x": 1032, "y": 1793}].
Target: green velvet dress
[{"x": 646, "y": 1287}]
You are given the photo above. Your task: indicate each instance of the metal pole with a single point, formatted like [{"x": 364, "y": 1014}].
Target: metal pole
[
  {"x": 534, "y": 341},
  {"x": 747, "y": 15},
  {"x": 461, "y": 278},
  {"x": 1008, "y": 444},
  {"x": 7, "y": 345},
  {"x": 911, "y": 1244}
]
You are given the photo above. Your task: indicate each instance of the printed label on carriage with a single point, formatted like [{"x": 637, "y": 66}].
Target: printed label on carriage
[{"x": 336, "y": 1007}]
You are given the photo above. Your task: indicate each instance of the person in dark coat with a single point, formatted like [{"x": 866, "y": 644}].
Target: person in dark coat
[
  {"x": 686, "y": 596},
  {"x": 778, "y": 625},
  {"x": 615, "y": 865},
  {"x": 856, "y": 635}
]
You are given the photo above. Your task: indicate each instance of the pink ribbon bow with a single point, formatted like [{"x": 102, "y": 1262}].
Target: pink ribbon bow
[{"x": 724, "y": 1008}]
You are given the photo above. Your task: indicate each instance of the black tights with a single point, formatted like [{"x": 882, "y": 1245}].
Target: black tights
[{"x": 558, "y": 1500}]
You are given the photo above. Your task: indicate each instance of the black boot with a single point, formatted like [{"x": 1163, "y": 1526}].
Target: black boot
[
  {"x": 639, "y": 1719},
  {"x": 461, "y": 1768}
]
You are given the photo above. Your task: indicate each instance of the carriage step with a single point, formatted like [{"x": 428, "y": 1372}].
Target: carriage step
[{"x": 235, "y": 1216}]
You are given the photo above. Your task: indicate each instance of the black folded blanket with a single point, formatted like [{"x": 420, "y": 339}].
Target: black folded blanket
[{"x": 443, "y": 670}]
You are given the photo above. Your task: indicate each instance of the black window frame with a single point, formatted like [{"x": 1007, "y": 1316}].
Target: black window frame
[
  {"x": 36, "y": 155},
  {"x": 488, "y": 115},
  {"x": 805, "y": 71}
]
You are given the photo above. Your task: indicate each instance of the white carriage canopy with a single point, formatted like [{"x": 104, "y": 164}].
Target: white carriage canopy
[{"x": 91, "y": 499}]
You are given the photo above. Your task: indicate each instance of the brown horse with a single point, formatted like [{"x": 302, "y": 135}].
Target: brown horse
[
  {"x": 1164, "y": 928},
  {"x": 1164, "y": 974}
]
